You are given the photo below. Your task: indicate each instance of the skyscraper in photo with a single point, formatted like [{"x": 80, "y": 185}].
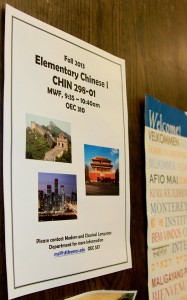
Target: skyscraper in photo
[
  {"x": 49, "y": 190},
  {"x": 62, "y": 195},
  {"x": 56, "y": 186}
]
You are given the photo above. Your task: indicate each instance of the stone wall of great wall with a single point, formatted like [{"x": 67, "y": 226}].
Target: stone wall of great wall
[
  {"x": 61, "y": 143},
  {"x": 38, "y": 128},
  {"x": 43, "y": 132}
]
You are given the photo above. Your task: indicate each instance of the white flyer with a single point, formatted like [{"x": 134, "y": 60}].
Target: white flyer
[{"x": 66, "y": 158}]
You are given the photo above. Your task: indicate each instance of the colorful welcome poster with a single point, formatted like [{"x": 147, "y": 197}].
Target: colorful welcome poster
[
  {"x": 66, "y": 160},
  {"x": 166, "y": 190}
]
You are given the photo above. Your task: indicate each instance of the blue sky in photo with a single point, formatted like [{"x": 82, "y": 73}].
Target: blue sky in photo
[
  {"x": 64, "y": 126},
  {"x": 68, "y": 180},
  {"x": 91, "y": 151}
]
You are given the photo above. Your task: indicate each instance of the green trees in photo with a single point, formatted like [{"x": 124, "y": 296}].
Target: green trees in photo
[{"x": 36, "y": 145}]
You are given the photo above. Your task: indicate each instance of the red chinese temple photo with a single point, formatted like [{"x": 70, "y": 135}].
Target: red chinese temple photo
[{"x": 101, "y": 170}]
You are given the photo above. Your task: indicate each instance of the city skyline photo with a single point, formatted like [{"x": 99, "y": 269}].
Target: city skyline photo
[{"x": 57, "y": 197}]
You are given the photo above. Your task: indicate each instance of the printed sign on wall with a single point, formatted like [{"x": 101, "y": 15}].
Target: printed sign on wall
[
  {"x": 166, "y": 180},
  {"x": 66, "y": 160}
]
